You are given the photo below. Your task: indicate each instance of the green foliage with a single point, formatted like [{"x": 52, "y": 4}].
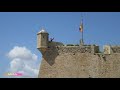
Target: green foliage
[
  {"x": 70, "y": 45},
  {"x": 76, "y": 44}
]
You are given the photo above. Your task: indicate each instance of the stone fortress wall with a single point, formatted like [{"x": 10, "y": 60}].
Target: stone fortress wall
[{"x": 82, "y": 61}]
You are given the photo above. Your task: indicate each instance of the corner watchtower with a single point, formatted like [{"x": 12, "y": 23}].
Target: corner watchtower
[{"x": 42, "y": 40}]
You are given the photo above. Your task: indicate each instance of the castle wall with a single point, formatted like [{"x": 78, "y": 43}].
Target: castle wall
[
  {"x": 78, "y": 62},
  {"x": 81, "y": 65},
  {"x": 84, "y": 61},
  {"x": 109, "y": 66}
]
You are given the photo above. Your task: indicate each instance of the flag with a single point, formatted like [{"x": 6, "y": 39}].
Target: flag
[{"x": 81, "y": 27}]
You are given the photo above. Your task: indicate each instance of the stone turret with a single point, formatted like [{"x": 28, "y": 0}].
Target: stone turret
[{"x": 42, "y": 40}]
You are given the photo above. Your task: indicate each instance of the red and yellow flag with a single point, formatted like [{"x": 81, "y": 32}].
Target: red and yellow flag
[{"x": 81, "y": 27}]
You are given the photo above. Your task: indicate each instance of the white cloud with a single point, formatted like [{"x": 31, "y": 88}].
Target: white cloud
[
  {"x": 16, "y": 64},
  {"x": 23, "y": 61},
  {"x": 21, "y": 52}
]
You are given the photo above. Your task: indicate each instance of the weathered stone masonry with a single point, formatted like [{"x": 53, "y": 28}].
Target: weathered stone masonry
[{"x": 83, "y": 61}]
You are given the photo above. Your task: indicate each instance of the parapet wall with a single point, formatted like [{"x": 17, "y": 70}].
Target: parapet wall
[
  {"x": 61, "y": 48},
  {"x": 80, "y": 49},
  {"x": 115, "y": 49}
]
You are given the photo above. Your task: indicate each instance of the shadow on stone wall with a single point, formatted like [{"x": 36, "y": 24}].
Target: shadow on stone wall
[
  {"x": 102, "y": 56},
  {"x": 50, "y": 55}
]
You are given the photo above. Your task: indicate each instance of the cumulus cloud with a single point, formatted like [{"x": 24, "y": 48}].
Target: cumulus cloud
[
  {"x": 23, "y": 61},
  {"x": 21, "y": 52}
]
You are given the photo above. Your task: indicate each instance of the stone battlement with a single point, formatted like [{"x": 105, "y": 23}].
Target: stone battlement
[
  {"x": 75, "y": 49},
  {"x": 61, "y": 48}
]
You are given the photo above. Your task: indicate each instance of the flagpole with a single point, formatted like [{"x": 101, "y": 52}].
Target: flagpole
[
  {"x": 82, "y": 31},
  {"x": 82, "y": 41},
  {"x": 82, "y": 37}
]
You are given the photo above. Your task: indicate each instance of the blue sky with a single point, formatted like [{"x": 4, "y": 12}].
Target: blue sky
[{"x": 19, "y": 29}]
